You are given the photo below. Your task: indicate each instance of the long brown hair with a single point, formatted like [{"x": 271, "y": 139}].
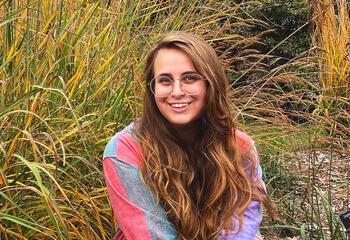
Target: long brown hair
[{"x": 202, "y": 187}]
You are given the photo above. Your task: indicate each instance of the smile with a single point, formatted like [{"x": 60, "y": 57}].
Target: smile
[{"x": 179, "y": 105}]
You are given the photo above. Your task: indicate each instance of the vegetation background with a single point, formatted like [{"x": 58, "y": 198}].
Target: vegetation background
[{"x": 70, "y": 77}]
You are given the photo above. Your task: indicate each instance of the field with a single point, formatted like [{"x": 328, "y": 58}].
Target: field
[{"x": 70, "y": 77}]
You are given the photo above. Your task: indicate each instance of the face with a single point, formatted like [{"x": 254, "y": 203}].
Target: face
[{"x": 178, "y": 108}]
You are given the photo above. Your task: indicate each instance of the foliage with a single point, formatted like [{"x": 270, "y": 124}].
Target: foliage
[
  {"x": 290, "y": 21},
  {"x": 287, "y": 22}
]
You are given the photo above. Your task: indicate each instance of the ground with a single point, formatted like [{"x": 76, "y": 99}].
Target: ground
[{"x": 313, "y": 177}]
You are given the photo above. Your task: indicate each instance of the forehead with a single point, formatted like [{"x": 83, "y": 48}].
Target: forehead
[{"x": 172, "y": 61}]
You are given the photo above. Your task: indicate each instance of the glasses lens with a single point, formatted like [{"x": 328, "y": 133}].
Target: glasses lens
[
  {"x": 162, "y": 86},
  {"x": 192, "y": 83}
]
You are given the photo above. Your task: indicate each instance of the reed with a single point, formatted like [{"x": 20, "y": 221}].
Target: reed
[
  {"x": 332, "y": 37},
  {"x": 70, "y": 78}
]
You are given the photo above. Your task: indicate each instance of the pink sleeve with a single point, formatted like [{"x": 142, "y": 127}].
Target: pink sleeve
[{"x": 138, "y": 216}]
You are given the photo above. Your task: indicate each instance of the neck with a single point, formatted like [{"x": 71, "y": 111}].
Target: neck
[{"x": 187, "y": 133}]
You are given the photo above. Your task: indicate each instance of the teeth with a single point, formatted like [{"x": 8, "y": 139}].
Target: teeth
[{"x": 179, "y": 105}]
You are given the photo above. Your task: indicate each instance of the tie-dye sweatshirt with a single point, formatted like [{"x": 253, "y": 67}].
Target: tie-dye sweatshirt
[{"x": 138, "y": 215}]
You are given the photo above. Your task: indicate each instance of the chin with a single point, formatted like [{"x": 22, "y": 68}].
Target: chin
[
  {"x": 179, "y": 123},
  {"x": 183, "y": 123}
]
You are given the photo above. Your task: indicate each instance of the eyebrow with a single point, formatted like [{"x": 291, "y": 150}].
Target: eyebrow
[{"x": 184, "y": 73}]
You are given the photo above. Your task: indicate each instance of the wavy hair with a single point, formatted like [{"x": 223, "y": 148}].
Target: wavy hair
[{"x": 205, "y": 186}]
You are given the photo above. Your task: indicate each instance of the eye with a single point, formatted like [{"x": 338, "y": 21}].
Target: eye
[
  {"x": 191, "y": 78},
  {"x": 164, "y": 80}
]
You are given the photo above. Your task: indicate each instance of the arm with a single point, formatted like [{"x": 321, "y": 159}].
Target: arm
[
  {"x": 251, "y": 220},
  {"x": 252, "y": 215},
  {"x": 138, "y": 215}
]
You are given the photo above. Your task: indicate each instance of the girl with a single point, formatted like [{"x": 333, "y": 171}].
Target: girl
[{"x": 183, "y": 171}]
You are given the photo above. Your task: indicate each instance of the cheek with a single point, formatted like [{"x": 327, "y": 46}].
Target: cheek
[
  {"x": 204, "y": 104},
  {"x": 160, "y": 104},
  {"x": 204, "y": 99},
  {"x": 157, "y": 103}
]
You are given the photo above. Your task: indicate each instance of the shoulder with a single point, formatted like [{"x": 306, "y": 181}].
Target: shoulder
[
  {"x": 249, "y": 153},
  {"x": 124, "y": 146},
  {"x": 244, "y": 141}
]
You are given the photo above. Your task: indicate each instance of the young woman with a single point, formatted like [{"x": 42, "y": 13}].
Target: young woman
[{"x": 183, "y": 171}]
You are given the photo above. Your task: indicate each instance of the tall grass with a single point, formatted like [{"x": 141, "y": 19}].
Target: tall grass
[
  {"x": 299, "y": 115},
  {"x": 70, "y": 77},
  {"x": 332, "y": 37}
]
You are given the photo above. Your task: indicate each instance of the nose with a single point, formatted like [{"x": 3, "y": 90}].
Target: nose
[{"x": 177, "y": 90}]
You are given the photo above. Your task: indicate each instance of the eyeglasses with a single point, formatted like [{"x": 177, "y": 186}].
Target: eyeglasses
[{"x": 190, "y": 84}]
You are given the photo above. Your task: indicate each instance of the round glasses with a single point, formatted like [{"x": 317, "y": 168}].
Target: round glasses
[{"x": 190, "y": 84}]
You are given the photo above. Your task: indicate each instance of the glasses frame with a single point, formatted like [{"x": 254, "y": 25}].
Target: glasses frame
[{"x": 152, "y": 85}]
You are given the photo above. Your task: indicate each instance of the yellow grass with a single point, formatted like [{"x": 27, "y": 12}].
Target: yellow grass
[{"x": 333, "y": 38}]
